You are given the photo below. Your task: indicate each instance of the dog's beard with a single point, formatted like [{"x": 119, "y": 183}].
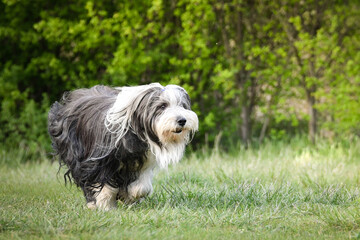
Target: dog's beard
[{"x": 172, "y": 136}]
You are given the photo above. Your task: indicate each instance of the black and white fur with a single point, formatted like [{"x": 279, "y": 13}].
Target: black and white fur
[{"x": 111, "y": 139}]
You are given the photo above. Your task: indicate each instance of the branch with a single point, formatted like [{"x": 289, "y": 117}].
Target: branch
[{"x": 291, "y": 38}]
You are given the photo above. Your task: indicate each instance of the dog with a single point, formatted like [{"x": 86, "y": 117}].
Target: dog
[{"x": 111, "y": 139}]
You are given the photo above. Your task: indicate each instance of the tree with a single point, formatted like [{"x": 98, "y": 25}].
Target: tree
[
  {"x": 248, "y": 66},
  {"x": 313, "y": 44}
]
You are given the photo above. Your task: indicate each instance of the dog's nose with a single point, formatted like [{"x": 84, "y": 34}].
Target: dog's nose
[{"x": 181, "y": 121}]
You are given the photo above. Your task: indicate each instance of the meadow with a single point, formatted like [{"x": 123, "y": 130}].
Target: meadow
[{"x": 279, "y": 190}]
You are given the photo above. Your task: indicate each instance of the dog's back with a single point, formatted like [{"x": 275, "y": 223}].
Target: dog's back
[
  {"x": 72, "y": 123},
  {"x": 95, "y": 99}
]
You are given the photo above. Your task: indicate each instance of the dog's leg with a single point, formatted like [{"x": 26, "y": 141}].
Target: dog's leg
[
  {"x": 105, "y": 199},
  {"x": 142, "y": 186}
]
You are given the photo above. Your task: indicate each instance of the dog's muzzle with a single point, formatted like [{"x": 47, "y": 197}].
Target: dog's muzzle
[{"x": 181, "y": 123}]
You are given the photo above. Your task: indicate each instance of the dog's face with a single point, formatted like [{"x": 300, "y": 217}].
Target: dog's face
[
  {"x": 174, "y": 122},
  {"x": 156, "y": 114}
]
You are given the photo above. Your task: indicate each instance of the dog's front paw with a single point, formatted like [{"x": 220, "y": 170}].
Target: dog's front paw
[
  {"x": 139, "y": 190},
  {"x": 105, "y": 199}
]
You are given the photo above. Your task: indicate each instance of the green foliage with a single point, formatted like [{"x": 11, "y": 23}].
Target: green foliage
[
  {"x": 23, "y": 120},
  {"x": 254, "y": 66}
]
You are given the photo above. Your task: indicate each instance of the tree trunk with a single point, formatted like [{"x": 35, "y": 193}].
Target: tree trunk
[
  {"x": 269, "y": 111},
  {"x": 245, "y": 124},
  {"x": 247, "y": 103},
  {"x": 264, "y": 128},
  {"x": 313, "y": 117}
]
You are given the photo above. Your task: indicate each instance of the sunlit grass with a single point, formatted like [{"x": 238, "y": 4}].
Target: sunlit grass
[{"x": 277, "y": 191}]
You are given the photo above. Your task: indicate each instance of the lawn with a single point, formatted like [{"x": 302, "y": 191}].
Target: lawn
[{"x": 281, "y": 190}]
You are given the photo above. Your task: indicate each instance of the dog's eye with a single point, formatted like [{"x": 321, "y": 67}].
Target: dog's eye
[{"x": 163, "y": 106}]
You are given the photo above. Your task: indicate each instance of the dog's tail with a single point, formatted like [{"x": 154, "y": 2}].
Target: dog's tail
[
  {"x": 55, "y": 124},
  {"x": 56, "y": 129}
]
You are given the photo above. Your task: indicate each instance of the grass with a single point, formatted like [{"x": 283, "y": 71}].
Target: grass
[{"x": 277, "y": 191}]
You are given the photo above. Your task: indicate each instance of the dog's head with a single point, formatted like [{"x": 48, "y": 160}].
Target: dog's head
[
  {"x": 173, "y": 120},
  {"x": 157, "y": 114}
]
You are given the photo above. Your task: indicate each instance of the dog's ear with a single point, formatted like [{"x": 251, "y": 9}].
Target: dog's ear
[
  {"x": 144, "y": 114},
  {"x": 186, "y": 99},
  {"x": 132, "y": 110}
]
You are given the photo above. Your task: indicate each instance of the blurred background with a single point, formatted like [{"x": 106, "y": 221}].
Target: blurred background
[{"x": 255, "y": 70}]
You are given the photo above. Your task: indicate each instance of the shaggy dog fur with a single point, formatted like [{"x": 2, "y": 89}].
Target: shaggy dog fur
[{"x": 111, "y": 139}]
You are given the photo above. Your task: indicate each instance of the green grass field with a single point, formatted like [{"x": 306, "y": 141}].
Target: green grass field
[{"x": 278, "y": 191}]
